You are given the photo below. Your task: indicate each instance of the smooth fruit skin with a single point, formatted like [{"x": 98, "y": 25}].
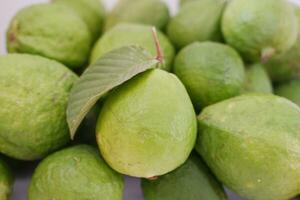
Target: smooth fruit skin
[
  {"x": 252, "y": 144},
  {"x": 210, "y": 71},
  {"x": 182, "y": 2},
  {"x": 287, "y": 65},
  {"x": 77, "y": 172},
  {"x": 290, "y": 90},
  {"x": 33, "y": 99},
  {"x": 191, "y": 181},
  {"x": 259, "y": 29},
  {"x": 196, "y": 21},
  {"x": 133, "y": 34},
  {"x": 6, "y": 181},
  {"x": 52, "y": 31},
  {"x": 257, "y": 80},
  {"x": 147, "y": 126},
  {"x": 91, "y": 11},
  {"x": 150, "y": 12}
]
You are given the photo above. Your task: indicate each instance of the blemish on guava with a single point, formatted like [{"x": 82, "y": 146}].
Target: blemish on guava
[{"x": 12, "y": 35}]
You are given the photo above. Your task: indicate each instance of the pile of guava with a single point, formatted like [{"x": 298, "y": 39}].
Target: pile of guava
[{"x": 194, "y": 104}]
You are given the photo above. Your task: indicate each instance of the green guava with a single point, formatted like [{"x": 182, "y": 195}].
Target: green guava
[
  {"x": 191, "y": 181},
  {"x": 91, "y": 11},
  {"x": 252, "y": 144},
  {"x": 33, "y": 99},
  {"x": 147, "y": 126},
  {"x": 77, "y": 172},
  {"x": 259, "y": 29},
  {"x": 196, "y": 21},
  {"x": 257, "y": 80},
  {"x": 150, "y": 12},
  {"x": 290, "y": 90},
  {"x": 6, "y": 181},
  {"x": 133, "y": 34},
  {"x": 211, "y": 72},
  {"x": 50, "y": 30},
  {"x": 287, "y": 65}
]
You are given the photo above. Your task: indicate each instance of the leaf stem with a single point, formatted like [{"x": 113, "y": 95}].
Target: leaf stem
[{"x": 159, "y": 52}]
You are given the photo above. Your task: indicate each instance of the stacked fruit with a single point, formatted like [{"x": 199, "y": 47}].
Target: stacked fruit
[{"x": 139, "y": 93}]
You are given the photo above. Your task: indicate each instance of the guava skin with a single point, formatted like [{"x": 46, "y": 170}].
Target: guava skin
[
  {"x": 52, "y": 31},
  {"x": 6, "y": 181},
  {"x": 257, "y": 80},
  {"x": 286, "y": 66},
  {"x": 133, "y": 34},
  {"x": 149, "y": 12},
  {"x": 34, "y": 96},
  {"x": 290, "y": 90},
  {"x": 211, "y": 72},
  {"x": 191, "y": 181},
  {"x": 252, "y": 144},
  {"x": 182, "y": 2},
  {"x": 147, "y": 126},
  {"x": 77, "y": 172},
  {"x": 259, "y": 29},
  {"x": 91, "y": 11},
  {"x": 196, "y": 21}
]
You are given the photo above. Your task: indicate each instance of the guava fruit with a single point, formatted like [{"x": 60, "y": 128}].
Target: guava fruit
[
  {"x": 33, "y": 99},
  {"x": 287, "y": 65},
  {"x": 52, "y": 31},
  {"x": 290, "y": 90},
  {"x": 252, "y": 144},
  {"x": 257, "y": 80},
  {"x": 259, "y": 29},
  {"x": 77, "y": 172},
  {"x": 92, "y": 12},
  {"x": 6, "y": 181},
  {"x": 196, "y": 21},
  {"x": 147, "y": 126},
  {"x": 150, "y": 12},
  {"x": 191, "y": 181},
  {"x": 133, "y": 34},
  {"x": 211, "y": 72}
]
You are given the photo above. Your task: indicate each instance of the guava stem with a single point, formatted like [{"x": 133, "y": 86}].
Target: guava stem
[
  {"x": 153, "y": 178},
  {"x": 159, "y": 52},
  {"x": 266, "y": 54}
]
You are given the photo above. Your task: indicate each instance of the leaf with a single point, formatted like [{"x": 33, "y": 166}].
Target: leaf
[{"x": 110, "y": 71}]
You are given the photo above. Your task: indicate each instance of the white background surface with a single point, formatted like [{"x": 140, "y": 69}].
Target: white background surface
[{"x": 8, "y": 8}]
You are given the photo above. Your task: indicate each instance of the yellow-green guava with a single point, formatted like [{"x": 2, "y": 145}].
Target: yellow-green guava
[
  {"x": 33, "y": 99},
  {"x": 77, "y": 172},
  {"x": 52, "y": 31},
  {"x": 147, "y": 126},
  {"x": 196, "y": 21},
  {"x": 133, "y": 34},
  {"x": 289, "y": 90},
  {"x": 259, "y": 29},
  {"x": 257, "y": 80},
  {"x": 252, "y": 144},
  {"x": 191, "y": 181},
  {"x": 150, "y": 12},
  {"x": 91, "y": 11},
  {"x": 210, "y": 71},
  {"x": 287, "y": 65}
]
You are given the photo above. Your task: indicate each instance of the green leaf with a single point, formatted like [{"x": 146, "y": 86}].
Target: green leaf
[{"x": 108, "y": 72}]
